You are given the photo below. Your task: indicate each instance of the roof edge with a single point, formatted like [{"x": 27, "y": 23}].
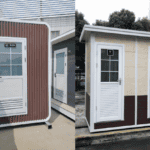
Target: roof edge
[
  {"x": 90, "y": 28},
  {"x": 63, "y": 37}
]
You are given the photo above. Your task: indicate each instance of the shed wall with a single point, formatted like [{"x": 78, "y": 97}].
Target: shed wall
[
  {"x": 88, "y": 85},
  {"x": 37, "y": 68},
  {"x": 129, "y": 77},
  {"x": 142, "y": 81},
  {"x": 70, "y": 44},
  {"x": 130, "y": 47},
  {"x": 129, "y": 88}
]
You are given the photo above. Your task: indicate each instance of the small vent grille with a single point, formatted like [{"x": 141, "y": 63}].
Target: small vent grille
[
  {"x": 11, "y": 104},
  {"x": 59, "y": 93}
]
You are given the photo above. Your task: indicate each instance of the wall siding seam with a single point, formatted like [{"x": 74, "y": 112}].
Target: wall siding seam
[{"x": 136, "y": 76}]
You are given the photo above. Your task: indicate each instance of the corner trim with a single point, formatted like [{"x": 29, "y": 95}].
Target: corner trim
[
  {"x": 148, "y": 93},
  {"x": 136, "y": 75}
]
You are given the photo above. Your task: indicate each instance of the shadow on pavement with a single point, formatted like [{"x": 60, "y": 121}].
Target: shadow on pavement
[
  {"x": 54, "y": 115},
  {"x": 7, "y": 140}
]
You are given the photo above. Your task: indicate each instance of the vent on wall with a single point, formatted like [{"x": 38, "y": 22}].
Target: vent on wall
[{"x": 7, "y": 107}]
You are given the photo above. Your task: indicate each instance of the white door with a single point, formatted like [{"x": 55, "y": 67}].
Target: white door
[
  {"x": 13, "y": 76},
  {"x": 60, "y": 75},
  {"x": 109, "y": 83}
]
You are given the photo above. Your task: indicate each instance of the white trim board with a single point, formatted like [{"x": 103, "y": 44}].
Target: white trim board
[
  {"x": 148, "y": 92},
  {"x": 120, "y": 127},
  {"x": 49, "y": 75},
  {"x": 64, "y": 111},
  {"x": 89, "y": 28},
  {"x": 63, "y": 37},
  {"x": 136, "y": 77}
]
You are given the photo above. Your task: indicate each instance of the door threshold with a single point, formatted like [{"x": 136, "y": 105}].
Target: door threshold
[{"x": 63, "y": 108}]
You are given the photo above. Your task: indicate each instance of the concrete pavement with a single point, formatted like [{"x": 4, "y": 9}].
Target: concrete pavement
[{"x": 39, "y": 137}]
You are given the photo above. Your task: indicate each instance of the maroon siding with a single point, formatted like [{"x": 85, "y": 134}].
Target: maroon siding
[
  {"x": 37, "y": 68},
  {"x": 88, "y": 107},
  {"x": 128, "y": 115},
  {"x": 142, "y": 110}
]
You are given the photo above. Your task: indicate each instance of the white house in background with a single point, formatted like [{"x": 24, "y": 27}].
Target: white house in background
[{"x": 59, "y": 14}]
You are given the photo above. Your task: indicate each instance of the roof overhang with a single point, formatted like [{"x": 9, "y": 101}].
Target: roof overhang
[
  {"x": 90, "y": 28},
  {"x": 63, "y": 37}
]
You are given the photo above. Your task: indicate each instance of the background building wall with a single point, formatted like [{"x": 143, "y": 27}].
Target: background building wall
[{"x": 59, "y": 24}]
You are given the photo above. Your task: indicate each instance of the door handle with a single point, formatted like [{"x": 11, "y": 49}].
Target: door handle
[
  {"x": 55, "y": 74},
  {"x": 119, "y": 81}
]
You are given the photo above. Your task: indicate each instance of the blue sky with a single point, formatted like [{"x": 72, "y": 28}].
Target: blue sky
[{"x": 101, "y": 9}]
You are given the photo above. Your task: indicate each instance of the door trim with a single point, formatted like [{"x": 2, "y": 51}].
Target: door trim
[
  {"x": 65, "y": 71},
  {"x": 122, "y": 87},
  {"x": 24, "y": 77}
]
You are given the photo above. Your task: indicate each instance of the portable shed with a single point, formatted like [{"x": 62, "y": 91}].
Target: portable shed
[
  {"x": 25, "y": 72},
  {"x": 117, "y": 78},
  {"x": 63, "y": 72}
]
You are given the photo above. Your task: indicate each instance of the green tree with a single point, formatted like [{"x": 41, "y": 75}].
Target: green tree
[
  {"x": 101, "y": 23},
  {"x": 123, "y": 19},
  {"x": 80, "y": 47},
  {"x": 145, "y": 23}
]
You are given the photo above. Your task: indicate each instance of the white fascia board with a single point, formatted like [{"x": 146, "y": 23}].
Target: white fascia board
[
  {"x": 63, "y": 37},
  {"x": 23, "y": 21},
  {"x": 82, "y": 33},
  {"x": 89, "y": 28}
]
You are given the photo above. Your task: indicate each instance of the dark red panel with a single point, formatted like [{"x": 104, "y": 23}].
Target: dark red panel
[
  {"x": 142, "y": 110},
  {"x": 37, "y": 68},
  {"x": 129, "y": 107}
]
